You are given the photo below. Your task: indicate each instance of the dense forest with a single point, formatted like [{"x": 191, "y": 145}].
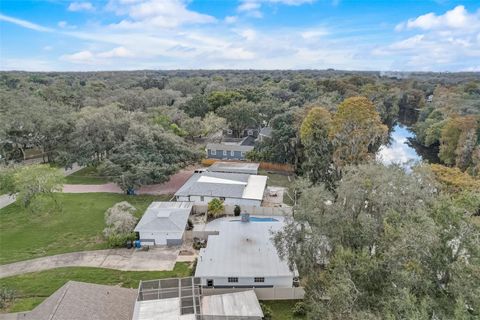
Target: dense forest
[{"x": 370, "y": 241}]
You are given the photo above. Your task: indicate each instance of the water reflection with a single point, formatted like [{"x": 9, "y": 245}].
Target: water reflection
[{"x": 399, "y": 150}]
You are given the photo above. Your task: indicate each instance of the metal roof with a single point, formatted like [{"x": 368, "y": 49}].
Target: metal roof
[
  {"x": 239, "y": 304},
  {"x": 86, "y": 301},
  {"x": 234, "y": 167},
  {"x": 227, "y": 185},
  {"x": 165, "y": 216},
  {"x": 241, "y": 249}
]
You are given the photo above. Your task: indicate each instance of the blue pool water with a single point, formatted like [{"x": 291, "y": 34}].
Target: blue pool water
[{"x": 257, "y": 219}]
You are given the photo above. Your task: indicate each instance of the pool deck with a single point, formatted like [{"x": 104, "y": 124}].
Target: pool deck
[{"x": 214, "y": 225}]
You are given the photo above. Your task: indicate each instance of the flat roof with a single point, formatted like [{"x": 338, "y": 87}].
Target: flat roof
[
  {"x": 237, "y": 304},
  {"x": 243, "y": 249},
  {"x": 165, "y": 216},
  {"x": 234, "y": 167},
  {"x": 229, "y": 147},
  {"x": 227, "y": 185}
]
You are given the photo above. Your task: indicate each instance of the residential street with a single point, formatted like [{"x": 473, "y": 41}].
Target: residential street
[{"x": 156, "y": 259}]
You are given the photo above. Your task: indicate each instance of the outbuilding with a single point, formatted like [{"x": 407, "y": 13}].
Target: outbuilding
[{"x": 164, "y": 223}]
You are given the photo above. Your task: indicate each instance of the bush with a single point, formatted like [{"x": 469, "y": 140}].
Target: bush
[
  {"x": 6, "y": 297},
  {"x": 215, "y": 207},
  {"x": 267, "y": 311},
  {"x": 299, "y": 309},
  {"x": 237, "y": 210},
  {"x": 120, "y": 224},
  {"x": 189, "y": 224}
]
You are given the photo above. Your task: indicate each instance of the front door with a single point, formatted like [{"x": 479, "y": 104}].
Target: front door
[{"x": 209, "y": 282}]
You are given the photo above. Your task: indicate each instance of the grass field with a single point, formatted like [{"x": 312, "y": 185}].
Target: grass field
[
  {"x": 32, "y": 233},
  {"x": 282, "y": 309},
  {"x": 87, "y": 175},
  {"x": 32, "y": 288}
]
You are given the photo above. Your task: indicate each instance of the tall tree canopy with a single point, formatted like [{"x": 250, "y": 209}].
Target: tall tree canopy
[{"x": 356, "y": 131}]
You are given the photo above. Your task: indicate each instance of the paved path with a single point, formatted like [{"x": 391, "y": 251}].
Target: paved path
[
  {"x": 156, "y": 259},
  {"x": 169, "y": 187}
]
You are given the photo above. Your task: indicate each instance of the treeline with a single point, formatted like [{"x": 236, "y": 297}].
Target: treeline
[{"x": 140, "y": 125}]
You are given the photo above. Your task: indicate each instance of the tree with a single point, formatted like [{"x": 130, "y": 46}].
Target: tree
[
  {"x": 33, "y": 181},
  {"x": 219, "y": 99},
  {"x": 193, "y": 127},
  {"x": 147, "y": 155},
  {"x": 239, "y": 115},
  {"x": 356, "y": 132},
  {"x": 314, "y": 134},
  {"x": 213, "y": 123},
  {"x": 454, "y": 180},
  {"x": 120, "y": 223},
  {"x": 215, "y": 207},
  {"x": 197, "y": 106},
  {"x": 237, "y": 210}
]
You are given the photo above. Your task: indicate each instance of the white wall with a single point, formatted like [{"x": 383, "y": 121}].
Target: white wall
[
  {"x": 285, "y": 281},
  {"x": 161, "y": 237},
  {"x": 228, "y": 201}
]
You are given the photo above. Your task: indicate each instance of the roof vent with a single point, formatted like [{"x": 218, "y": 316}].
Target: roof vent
[{"x": 245, "y": 217}]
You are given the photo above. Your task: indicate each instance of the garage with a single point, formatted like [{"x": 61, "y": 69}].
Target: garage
[{"x": 163, "y": 223}]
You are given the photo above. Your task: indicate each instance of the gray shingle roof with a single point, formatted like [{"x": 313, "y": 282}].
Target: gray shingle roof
[
  {"x": 194, "y": 187},
  {"x": 165, "y": 216},
  {"x": 86, "y": 301}
]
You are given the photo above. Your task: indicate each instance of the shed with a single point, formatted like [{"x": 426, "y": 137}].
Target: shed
[{"x": 164, "y": 223}]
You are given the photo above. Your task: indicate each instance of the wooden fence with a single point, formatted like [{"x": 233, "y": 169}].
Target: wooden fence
[
  {"x": 282, "y": 167},
  {"x": 275, "y": 293}
]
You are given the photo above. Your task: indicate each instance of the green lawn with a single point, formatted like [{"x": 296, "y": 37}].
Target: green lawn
[
  {"x": 27, "y": 234},
  {"x": 87, "y": 175},
  {"x": 32, "y": 288},
  {"x": 282, "y": 309},
  {"x": 279, "y": 180}
]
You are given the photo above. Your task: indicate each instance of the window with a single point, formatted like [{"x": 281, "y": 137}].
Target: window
[
  {"x": 243, "y": 154},
  {"x": 225, "y": 152},
  {"x": 259, "y": 279},
  {"x": 232, "y": 153},
  {"x": 210, "y": 283},
  {"x": 222, "y": 198},
  {"x": 213, "y": 152},
  {"x": 202, "y": 198},
  {"x": 232, "y": 279},
  {"x": 229, "y": 131}
]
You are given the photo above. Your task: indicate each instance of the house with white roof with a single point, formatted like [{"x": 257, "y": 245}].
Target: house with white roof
[
  {"x": 231, "y": 188},
  {"x": 243, "y": 254},
  {"x": 164, "y": 223},
  {"x": 183, "y": 299}
]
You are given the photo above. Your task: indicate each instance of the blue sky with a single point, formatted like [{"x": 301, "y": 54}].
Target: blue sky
[{"x": 61, "y": 35}]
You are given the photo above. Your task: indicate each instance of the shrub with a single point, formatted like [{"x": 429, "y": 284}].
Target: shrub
[
  {"x": 299, "y": 309},
  {"x": 120, "y": 224},
  {"x": 6, "y": 296},
  {"x": 215, "y": 207},
  {"x": 237, "y": 210},
  {"x": 189, "y": 224},
  {"x": 267, "y": 311}
]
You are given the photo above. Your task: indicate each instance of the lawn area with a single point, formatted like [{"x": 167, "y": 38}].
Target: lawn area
[
  {"x": 32, "y": 288},
  {"x": 282, "y": 309},
  {"x": 87, "y": 175},
  {"x": 279, "y": 180},
  {"x": 28, "y": 233}
]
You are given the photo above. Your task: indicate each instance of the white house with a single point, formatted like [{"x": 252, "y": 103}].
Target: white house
[
  {"x": 164, "y": 223},
  {"x": 232, "y": 188},
  {"x": 243, "y": 255}
]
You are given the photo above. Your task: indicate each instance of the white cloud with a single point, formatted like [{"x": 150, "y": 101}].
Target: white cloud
[
  {"x": 24, "y": 23},
  {"x": 314, "y": 33},
  {"x": 156, "y": 14},
  {"x": 79, "y": 57},
  {"x": 97, "y": 58},
  {"x": 457, "y": 18},
  {"x": 253, "y": 7},
  {"x": 119, "y": 52},
  {"x": 230, "y": 19},
  {"x": 81, "y": 6}
]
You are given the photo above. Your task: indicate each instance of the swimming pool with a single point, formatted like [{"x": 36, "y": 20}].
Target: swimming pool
[{"x": 257, "y": 219}]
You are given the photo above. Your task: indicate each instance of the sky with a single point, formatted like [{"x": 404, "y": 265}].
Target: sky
[{"x": 84, "y": 35}]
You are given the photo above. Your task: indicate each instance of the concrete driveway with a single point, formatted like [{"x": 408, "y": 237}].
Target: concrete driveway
[{"x": 156, "y": 259}]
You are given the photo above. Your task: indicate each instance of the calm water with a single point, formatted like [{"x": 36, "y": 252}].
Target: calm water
[{"x": 400, "y": 150}]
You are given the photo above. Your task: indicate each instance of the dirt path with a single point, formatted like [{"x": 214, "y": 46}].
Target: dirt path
[
  {"x": 156, "y": 259},
  {"x": 169, "y": 187}
]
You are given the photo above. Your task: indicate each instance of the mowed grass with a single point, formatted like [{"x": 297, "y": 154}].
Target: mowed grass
[
  {"x": 277, "y": 179},
  {"x": 87, "y": 175},
  {"x": 32, "y": 288},
  {"x": 32, "y": 233},
  {"x": 282, "y": 309}
]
